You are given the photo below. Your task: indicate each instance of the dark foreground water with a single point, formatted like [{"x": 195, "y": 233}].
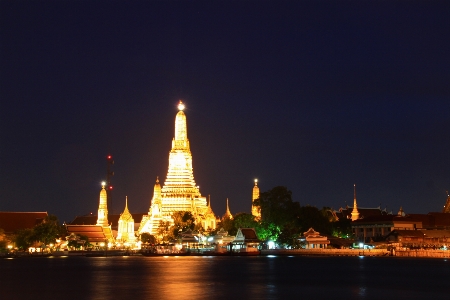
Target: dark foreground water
[{"x": 261, "y": 277}]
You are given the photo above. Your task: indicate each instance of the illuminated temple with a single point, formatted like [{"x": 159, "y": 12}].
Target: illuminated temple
[{"x": 179, "y": 192}]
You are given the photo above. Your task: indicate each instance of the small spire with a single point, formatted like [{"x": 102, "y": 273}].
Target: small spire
[
  {"x": 227, "y": 212},
  {"x": 157, "y": 179},
  {"x": 126, "y": 211}
]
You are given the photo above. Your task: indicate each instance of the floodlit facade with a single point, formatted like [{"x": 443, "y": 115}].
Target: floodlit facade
[{"x": 179, "y": 192}]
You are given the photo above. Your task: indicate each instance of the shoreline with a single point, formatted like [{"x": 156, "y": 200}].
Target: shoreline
[{"x": 273, "y": 252}]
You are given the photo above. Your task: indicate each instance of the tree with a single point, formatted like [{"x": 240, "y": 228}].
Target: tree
[
  {"x": 183, "y": 220},
  {"x": 147, "y": 238},
  {"x": 77, "y": 241},
  {"x": 279, "y": 216},
  {"x": 164, "y": 232},
  {"x": 277, "y": 207},
  {"x": 228, "y": 225},
  {"x": 342, "y": 228},
  {"x": 311, "y": 216},
  {"x": 268, "y": 231},
  {"x": 244, "y": 220},
  {"x": 48, "y": 230},
  {"x": 24, "y": 238}
]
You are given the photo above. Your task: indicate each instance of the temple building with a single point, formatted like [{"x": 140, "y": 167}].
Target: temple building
[
  {"x": 314, "y": 240},
  {"x": 179, "y": 192},
  {"x": 255, "y": 195},
  {"x": 125, "y": 232}
]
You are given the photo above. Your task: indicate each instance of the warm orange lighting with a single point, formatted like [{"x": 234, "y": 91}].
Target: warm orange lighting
[
  {"x": 181, "y": 105},
  {"x": 180, "y": 192}
]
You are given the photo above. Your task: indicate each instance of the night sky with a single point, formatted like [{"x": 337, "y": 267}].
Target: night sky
[{"x": 313, "y": 95}]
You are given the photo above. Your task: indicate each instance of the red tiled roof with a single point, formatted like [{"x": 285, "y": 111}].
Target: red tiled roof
[
  {"x": 14, "y": 221},
  {"x": 93, "y": 232}
]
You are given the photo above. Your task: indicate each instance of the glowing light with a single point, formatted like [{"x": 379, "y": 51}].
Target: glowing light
[
  {"x": 103, "y": 184},
  {"x": 271, "y": 245},
  {"x": 256, "y": 180},
  {"x": 181, "y": 105}
]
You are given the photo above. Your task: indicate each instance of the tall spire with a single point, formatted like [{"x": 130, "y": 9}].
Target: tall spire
[
  {"x": 255, "y": 195},
  {"x": 102, "y": 217},
  {"x": 180, "y": 174},
  {"x": 179, "y": 191},
  {"x": 355, "y": 213}
]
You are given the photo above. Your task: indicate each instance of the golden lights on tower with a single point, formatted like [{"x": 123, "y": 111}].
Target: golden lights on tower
[{"x": 181, "y": 105}]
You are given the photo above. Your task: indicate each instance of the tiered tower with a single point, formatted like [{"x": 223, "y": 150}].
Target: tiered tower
[
  {"x": 180, "y": 192},
  {"x": 102, "y": 217},
  {"x": 255, "y": 209},
  {"x": 355, "y": 212}
]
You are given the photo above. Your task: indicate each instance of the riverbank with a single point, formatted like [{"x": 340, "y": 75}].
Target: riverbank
[
  {"x": 275, "y": 252},
  {"x": 328, "y": 252}
]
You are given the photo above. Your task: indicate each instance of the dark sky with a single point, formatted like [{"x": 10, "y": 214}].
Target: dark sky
[{"x": 311, "y": 95}]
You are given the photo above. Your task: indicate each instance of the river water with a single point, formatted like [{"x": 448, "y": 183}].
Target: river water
[{"x": 261, "y": 277}]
